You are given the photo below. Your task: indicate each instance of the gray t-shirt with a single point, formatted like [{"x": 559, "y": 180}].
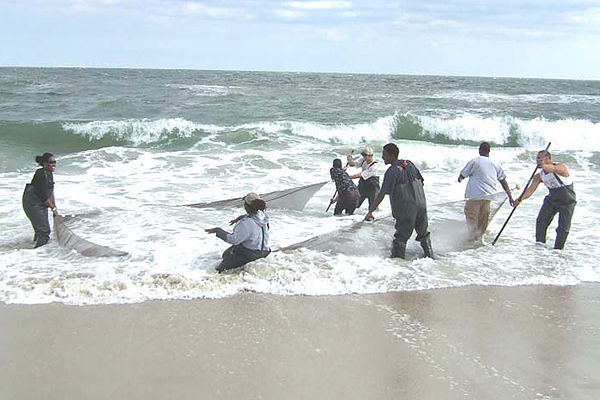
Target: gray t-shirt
[{"x": 483, "y": 174}]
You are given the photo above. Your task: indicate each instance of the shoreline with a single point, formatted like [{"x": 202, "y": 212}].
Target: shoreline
[{"x": 482, "y": 342}]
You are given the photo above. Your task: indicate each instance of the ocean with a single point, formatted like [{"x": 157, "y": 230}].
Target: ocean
[{"x": 133, "y": 146}]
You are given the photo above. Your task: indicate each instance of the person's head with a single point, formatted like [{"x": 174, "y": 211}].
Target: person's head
[
  {"x": 542, "y": 157},
  {"x": 484, "y": 149},
  {"x": 337, "y": 163},
  {"x": 367, "y": 153},
  {"x": 253, "y": 203},
  {"x": 47, "y": 161},
  {"x": 390, "y": 153}
]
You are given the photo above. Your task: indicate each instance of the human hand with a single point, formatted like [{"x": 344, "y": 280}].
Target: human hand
[
  {"x": 233, "y": 221},
  {"x": 211, "y": 230}
]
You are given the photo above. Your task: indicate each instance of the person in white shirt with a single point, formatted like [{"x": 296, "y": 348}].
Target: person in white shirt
[
  {"x": 368, "y": 184},
  {"x": 483, "y": 174},
  {"x": 561, "y": 199}
]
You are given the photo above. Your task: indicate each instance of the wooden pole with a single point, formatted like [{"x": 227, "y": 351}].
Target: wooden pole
[{"x": 514, "y": 208}]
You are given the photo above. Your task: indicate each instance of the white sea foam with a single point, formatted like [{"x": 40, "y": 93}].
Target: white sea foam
[
  {"x": 565, "y": 134},
  {"x": 207, "y": 90},
  {"x": 538, "y": 98},
  {"x": 138, "y": 193}
]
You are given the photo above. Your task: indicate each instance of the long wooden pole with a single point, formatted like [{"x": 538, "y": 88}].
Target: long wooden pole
[{"x": 514, "y": 208}]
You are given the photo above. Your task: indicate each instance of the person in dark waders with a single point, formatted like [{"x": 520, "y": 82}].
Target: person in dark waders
[
  {"x": 347, "y": 195},
  {"x": 561, "y": 199},
  {"x": 38, "y": 197},
  {"x": 250, "y": 237},
  {"x": 368, "y": 183},
  {"x": 404, "y": 183}
]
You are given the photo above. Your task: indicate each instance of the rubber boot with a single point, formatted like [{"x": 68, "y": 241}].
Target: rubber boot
[
  {"x": 398, "y": 249},
  {"x": 427, "y": 249}
]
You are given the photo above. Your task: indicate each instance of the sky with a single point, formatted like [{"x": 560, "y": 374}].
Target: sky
[{"x": 533, "y": 39}]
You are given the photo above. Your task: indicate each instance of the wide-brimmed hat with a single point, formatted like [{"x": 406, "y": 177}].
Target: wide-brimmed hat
[{"x": 251, "y": 197}]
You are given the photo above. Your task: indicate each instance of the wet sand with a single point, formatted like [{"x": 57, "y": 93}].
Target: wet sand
[{"x": 531, "y": 342}]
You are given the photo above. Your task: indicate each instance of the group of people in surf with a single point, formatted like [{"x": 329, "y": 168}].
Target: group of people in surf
[{"x": 402, "y": 181}]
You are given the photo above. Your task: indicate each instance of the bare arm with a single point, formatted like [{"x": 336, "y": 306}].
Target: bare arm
[
  {"x": 559, "y": 168},
  {"x": 530, "y": 190},
  {"x": 507, "y": 190},
  {"x": 350, "y": 160},
  {"x": 376, "y": 201}
]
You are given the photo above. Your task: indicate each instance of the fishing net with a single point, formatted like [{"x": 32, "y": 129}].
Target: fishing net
[
  {"x": 291, "y": 199},
  {"x": 68, "y": 239},
  {"x": 447, "y": 224}
]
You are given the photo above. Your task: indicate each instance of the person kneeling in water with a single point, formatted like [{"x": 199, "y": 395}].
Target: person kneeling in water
[{"x": 250, "y": 237}]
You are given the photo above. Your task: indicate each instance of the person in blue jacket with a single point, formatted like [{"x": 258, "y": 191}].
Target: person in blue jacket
[
  {"x": 38, "y": 197},
  {"x": 250, "y": 236}
]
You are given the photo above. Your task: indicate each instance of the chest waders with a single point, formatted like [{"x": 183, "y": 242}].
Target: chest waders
[
  {"x": 561, "y": 200},
  {"x": 37, "y": 212},
  {"x": 409, "y": 209},
  {"x": 368, "y": 188},
  {"x": 238, "y": 255}
]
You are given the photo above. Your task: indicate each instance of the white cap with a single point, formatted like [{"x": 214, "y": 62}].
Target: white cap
[{"x": 367, "y": 151}]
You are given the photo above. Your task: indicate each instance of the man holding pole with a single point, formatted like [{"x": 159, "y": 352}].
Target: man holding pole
[
  {"x": 561, "y": 198},
  {"x": 368, "y": 184},
  {"x": 483, "y": 174}
]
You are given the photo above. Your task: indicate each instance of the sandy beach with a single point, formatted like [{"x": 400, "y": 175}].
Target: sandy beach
[{"x": 529, "y": 342}]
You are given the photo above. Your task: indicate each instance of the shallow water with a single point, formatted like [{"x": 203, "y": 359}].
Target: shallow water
[{"x": 135, "y": 145}]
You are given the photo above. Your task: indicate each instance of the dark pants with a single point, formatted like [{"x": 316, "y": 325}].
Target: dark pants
[
  {"x": 347, "y": 200},
  {"x": 409, "y": 209},
  {"x": 37, "y": 212},
  {"x": 549, "y": 209},
  {"x": 413, "y": 219},
  {"x": 237, "y": 256},
  {"x": 368, "y": 189}
]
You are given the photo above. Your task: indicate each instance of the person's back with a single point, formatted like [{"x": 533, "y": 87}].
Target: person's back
[{"x": 483, "y": 174}]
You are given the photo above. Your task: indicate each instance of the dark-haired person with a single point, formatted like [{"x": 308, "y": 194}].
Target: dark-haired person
[
  {"x": 368, "y": 183},
  {"x": 347, "y": 193},
  {"x": 561, "y": 199},
  {"x": 250, "y": 236},
  {"x": 483, "y": 173},
  {"x": 404, "y": 183},
  {"x": 38, "y": 197}
]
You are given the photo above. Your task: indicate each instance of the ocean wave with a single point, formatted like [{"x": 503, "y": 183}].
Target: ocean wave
[
  {"x": 465, "y": 129},
  {"x": 470, "y": 129},
  {"x": 207, "y": 90},
  {"x": 139, "y": 132},
  {"x": 538, "y": 98}
]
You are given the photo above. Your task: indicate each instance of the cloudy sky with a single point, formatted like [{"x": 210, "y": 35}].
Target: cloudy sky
[{"x": 534, "y": 38}]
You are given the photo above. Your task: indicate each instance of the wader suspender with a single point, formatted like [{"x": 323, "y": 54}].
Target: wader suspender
[
  {"x": 262, "y": 245},
  {"x": 562, "y": 184}
]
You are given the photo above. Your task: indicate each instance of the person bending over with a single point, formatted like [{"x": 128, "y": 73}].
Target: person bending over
[
  {"x": 561, "y": 199},
  {"x": 347, "y": 195},
  {"x": 250, "y": 236},
  {"x": 38, "y": 197},
  {"x": 368, "y": 183}
]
